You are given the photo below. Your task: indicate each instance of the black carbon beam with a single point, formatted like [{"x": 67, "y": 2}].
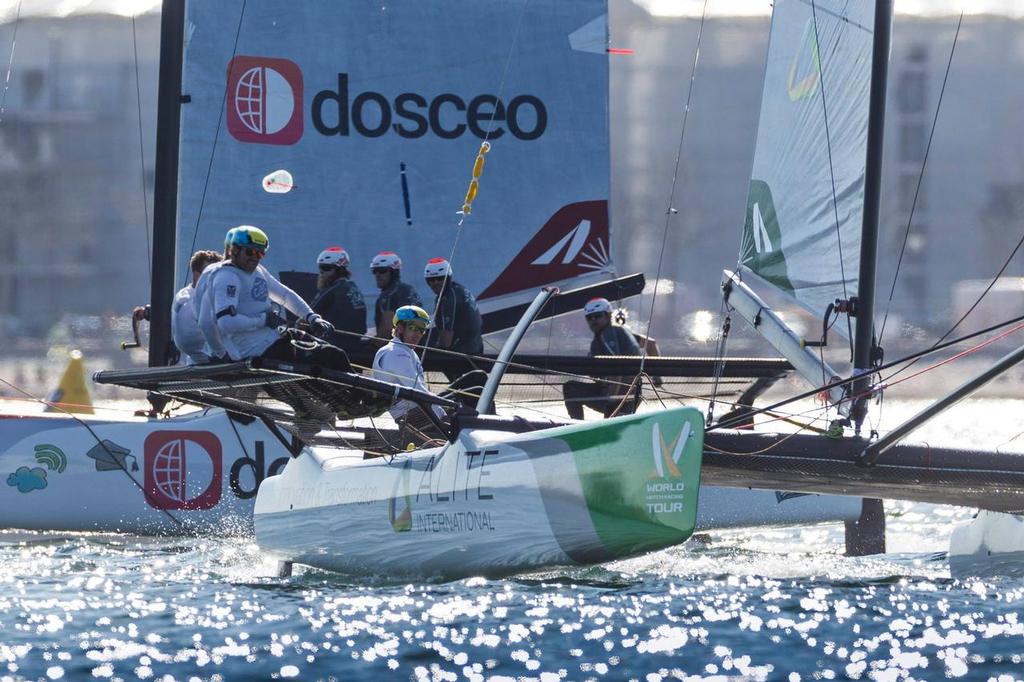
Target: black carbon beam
[{"x": 914, "y": 472}]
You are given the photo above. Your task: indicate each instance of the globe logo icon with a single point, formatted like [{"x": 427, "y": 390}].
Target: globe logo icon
[
  {"x": 183, "y": 470},
  {"x": 265, "y": 100}
]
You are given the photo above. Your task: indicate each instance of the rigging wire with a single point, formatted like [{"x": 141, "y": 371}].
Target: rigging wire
[
  {"x": 484, "y": 145},
  {"x": 142, "y": 153},
  {"x": 10, "y": 62},
  {"x": 878, "y": 370},
  {"x": 831, "y": 168},
  {"x": 976, "y": 303},
  {"x": 675, "y": 179},
  {"x": 963, "y": 353},
  {"x": 216, "y": 137},
  {"x": 920, "y": 179}
]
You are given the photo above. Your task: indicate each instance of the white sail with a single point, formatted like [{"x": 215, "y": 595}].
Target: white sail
[
  {"x": 805, "y": 205},
  {"x": 377, "y": 111}
]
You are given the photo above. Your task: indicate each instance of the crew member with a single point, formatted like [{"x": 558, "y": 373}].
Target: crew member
[
  {"x": 458, "y": 319},
  {"x": 398, "y": 363},
  {"x": 338, "y": 299},
  {"x": 239, "y": 295},
  {"x": 185, "y": 319},
  {"x": 394, "y": 293},
  {"x": 606, "y": 397}
]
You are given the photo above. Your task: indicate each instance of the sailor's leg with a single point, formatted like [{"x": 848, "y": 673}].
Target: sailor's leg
[{"x": 580, "y": 393}]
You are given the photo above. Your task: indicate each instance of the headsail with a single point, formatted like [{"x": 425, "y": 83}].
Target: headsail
[
  {"x": 378, "y": 110},
  {"x": 805, "y": 205}
]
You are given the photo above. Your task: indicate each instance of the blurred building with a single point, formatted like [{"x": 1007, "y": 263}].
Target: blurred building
[{"x": 72, "y": 174}]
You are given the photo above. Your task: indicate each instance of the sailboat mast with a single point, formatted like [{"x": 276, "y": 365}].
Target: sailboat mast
[
  {"x": 165, "y": 193},
  {"x": 864, "y": 335}
]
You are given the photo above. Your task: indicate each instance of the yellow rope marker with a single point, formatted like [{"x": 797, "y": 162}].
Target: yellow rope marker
[{"x": 474, "y": 184}]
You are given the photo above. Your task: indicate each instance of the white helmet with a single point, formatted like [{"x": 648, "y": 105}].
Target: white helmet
[
  {"x": 597, "y": 305},
  {"x": 386, "y": 259},
  {"x": 333, "y": 255},
  {"x": 437, "y": 267}
]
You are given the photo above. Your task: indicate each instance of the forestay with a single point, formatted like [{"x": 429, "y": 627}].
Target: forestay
[
  {"x": 378, "y": 110},
  {"x": 805, "y": 205}
]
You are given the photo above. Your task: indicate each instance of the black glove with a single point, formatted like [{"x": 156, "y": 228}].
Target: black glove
[{"x": 319, "y": 326}]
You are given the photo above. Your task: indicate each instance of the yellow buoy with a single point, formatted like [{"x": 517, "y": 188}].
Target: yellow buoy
[{"x": 72, "y": 394}]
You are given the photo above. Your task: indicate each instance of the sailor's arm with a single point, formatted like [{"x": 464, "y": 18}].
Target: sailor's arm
[
  {"x": 207, "y": 318},
  {"x": 224, "y": 289},
  {"x": 282, "y": 295}
]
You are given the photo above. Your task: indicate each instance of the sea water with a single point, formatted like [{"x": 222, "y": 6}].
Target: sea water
[{"x": 781, "y": 604}]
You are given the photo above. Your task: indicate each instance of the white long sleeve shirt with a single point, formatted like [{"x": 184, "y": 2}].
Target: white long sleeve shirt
[
  {"x": 206, "y": 316},
  {"x": 398, "y": 363},
  {"x": 185, "y": 327},
  {"x": 240, "y": 302}
]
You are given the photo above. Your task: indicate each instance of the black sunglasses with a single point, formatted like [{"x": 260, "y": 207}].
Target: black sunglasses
[
  {"x": 380, "y": 271},
  {"x": 328, "y": 268},
  {"x": 253, "y": 253},
  {"x": 594, "y": 316}
]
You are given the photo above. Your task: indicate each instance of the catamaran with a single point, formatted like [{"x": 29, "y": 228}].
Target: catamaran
[
  {"x": 375, "y": 158},
  {"x": 494, "y": 494}
]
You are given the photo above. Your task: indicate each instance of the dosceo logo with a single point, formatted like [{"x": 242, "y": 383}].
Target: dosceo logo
[
  {"x": 182, "y": 470},
  {"x": 411, "y": 115},
  {"x": 265, "y": 106},
  {"x": 264, "y": 100}
]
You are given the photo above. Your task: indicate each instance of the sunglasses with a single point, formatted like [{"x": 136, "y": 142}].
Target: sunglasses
[
  {"x": 594, "y": 316},
  {"x": 329, "y": 268},
  {"x": 435, "y": 279},
  {"x": 380, "y": 271},
  {"x": 253, "y": 253},
  {"x": 415, "y": 328}
]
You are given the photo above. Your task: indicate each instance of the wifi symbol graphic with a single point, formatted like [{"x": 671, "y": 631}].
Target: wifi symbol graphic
[{"x": 53, "y": 457}]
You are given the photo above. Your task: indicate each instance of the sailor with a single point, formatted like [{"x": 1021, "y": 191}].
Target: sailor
[
  {"x": 458, "y": 318},
  {"x": 398, "y": 363},
  {"x": 338, "y": 299},
  {"x": 239, "y": 295},
  {"x": 394, "y": 293},
  {"x": 185, "y": 319},
  {"x": 606, "y": 397}
]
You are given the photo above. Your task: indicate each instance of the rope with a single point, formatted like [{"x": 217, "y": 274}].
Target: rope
[
  {"x": 964, "y": 353},
  {"x": 879, "y": 369},
  {"x": 142, "y": 153},
  {"x": 976, "y": 303},
  {"x": 920, "y": 178},
  {"x": 675, "y": 179},
  {"x": 10, "y": 62}
]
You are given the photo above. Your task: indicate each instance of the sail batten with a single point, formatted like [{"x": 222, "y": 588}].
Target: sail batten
[{"x": 805, "y": 204}]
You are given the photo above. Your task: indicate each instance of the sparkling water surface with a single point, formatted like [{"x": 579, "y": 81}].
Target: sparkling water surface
[{"x": 756, "y": 604}]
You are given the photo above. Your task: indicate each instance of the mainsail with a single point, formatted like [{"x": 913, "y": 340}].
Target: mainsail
[
  {"x": 378, "y": 110},
  {"x": 805, "y": 204}
]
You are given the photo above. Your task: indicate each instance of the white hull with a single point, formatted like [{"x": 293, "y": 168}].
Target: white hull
[
  {"x": 194, "y": 473},
  {"x": 526, "y": 504},
  {"x": 101, "y": 496},
  {"x": 991, "y": 545}
]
